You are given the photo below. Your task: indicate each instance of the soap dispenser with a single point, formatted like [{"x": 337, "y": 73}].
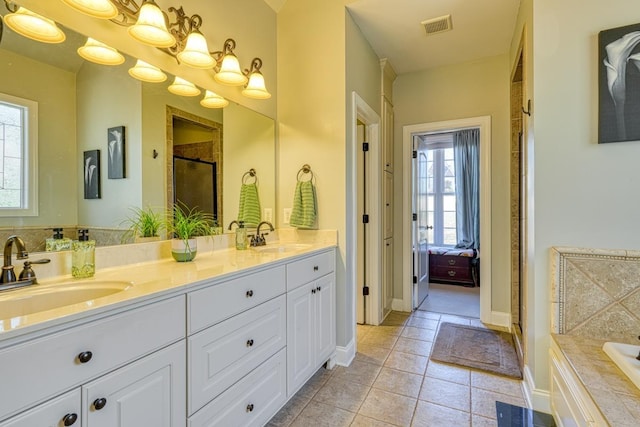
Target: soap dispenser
[
  {"x": 241, "y": 236},
  {"x": 58, "y": 242},
  {"x": 83, "y": 255}
]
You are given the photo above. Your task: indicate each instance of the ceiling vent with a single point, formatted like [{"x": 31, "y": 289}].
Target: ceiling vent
[{"x": 437, "y": 25}]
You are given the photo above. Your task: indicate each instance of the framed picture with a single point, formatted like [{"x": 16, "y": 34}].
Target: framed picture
[
  {"x": 116, "y": 151},
  {"x": 92, "y": 174},
  {"x": 619, "y": 84}
]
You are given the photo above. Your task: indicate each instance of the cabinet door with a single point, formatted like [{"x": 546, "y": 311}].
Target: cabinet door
[
  {"x": 388, "y": 205},
  {"x": 61, "y": 411},
  {"x": 387, "y": 134},
  {"x": 325, "y": 326},
  {"x": 300, "y": 336},
  {"x": 149, "y": 392},
  {"x": 387, "y": 277}
]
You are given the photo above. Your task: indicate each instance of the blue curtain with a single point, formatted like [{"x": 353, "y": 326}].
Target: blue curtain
[{"x": 466, "y": 157}]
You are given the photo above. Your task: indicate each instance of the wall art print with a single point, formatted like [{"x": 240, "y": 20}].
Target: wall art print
[
  {"x": 92, "y": 174},
  {"x": 116, "y": 151},
  {"x": 619, "y": 84}
]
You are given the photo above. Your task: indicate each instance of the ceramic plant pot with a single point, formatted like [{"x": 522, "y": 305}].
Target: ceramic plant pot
[{"x": 184, "y": 250}]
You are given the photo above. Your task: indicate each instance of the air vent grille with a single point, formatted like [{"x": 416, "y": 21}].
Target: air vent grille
[{"x": 437, "y": 25}]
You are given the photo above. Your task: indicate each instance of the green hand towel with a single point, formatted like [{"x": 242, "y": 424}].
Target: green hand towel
[
  {"x": 249, "y": 209},
  {"x": 304, "y": 212}
]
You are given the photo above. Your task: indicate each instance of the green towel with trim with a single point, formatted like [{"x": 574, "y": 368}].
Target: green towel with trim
[
  {"x": 249, "y": 209},
  {"x": 304, "y": 212}
]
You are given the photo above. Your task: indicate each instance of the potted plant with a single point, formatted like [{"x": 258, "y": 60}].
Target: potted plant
[
  {"x": 143, "y": 225},
  {"x": 185, "y": 225}
]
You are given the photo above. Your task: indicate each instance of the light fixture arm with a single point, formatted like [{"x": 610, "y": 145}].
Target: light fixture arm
[
  {"x": 11, "y": 6},
  {"x": 256, "y": 64},
  {"x": 227, "y": 48}
]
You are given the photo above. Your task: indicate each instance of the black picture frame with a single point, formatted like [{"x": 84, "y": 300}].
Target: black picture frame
[
  {"x": 619, "y": 84},
  {"x": 91, "y": 169},
  {"x": 116, "y": 153}
]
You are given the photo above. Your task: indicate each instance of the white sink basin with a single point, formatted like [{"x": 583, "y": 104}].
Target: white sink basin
[
  {"x": 36, "y": 298},
  {"x": 624, "y": 356},
  {"x": 282, "y": 248}
]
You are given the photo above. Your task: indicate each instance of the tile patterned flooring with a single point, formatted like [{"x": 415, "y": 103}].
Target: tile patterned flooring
[{"x": 392, "y": 382}]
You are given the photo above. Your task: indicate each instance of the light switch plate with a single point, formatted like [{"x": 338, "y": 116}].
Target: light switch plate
[
  {"x": 268, "y": 214},
  {"x": 287, "y": 215}
]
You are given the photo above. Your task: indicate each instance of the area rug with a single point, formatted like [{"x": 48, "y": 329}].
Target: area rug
[{"x": 478, "y": 348}]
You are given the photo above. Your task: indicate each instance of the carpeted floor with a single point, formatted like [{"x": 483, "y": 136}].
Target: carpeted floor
[{"x": 452, "y": 299}]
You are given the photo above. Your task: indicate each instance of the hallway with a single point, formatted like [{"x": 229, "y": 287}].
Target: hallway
[{"x": 391, "y": 382}]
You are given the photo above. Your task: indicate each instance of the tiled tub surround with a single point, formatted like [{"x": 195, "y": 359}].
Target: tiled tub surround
[{"x": 596, "y": 296}]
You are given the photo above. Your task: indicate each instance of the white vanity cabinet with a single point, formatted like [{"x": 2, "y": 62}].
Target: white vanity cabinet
[
  {"x": 311, "y": 327},
  {"x": 38, "y": 370}
]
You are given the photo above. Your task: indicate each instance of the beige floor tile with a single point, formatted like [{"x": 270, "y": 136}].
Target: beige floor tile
[
  {"x": 445, "y": 393},
  {"x": 408, "y": 345},
  {"x": 396, "y": 318},
  {"x": 407, "y": 362},
  {"x": 372, "y": 354},
  {"x": 448, "y": 372},
  {"x": 426, "y": 314},
  {"x": 289, "y": 412},
  {"x": 362, "y": 331},
  {"x": 418, "y": 333},
  {"x": 388, "y": 407},
  {"x": 379, "y": 339},
  {"x": 315, "y": 383},
  {"x": 362, "y": 421},
  {"x": 419, "y": 322},
  {"x": 431, "y": 415},
  {"x": 319, "y": 414},
  {"x": 449, "y": 318},
  {"x": 358, "y": 372},
  {"x": 483, "y": 402},
  {"x": 399, "y": 382},
  {"x": 496, "y": 383},
  {"x": 478, "y": 421},
  {"x": 342, "y": 394}
]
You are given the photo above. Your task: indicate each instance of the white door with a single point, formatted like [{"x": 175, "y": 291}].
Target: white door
[
  {"x": 300, "y": 336},
  {"x": 420, "y": 227},
  {"x": 387, "y": 279}
]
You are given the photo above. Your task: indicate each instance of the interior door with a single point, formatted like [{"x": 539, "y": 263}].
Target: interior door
[{"x": 420, "y": 227}]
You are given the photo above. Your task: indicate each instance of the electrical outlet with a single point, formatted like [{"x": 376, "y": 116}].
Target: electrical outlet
[
  {"x": 287, "y": 215},
  {"x": 268, "y": 214}
]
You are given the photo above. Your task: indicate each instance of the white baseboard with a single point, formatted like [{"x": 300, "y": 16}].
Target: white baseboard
[
  {"x": 502, "y": 319},
  {"x": 397, "y": 304},
  {"x": 345, "y": 355},
  {"x": 540, "y": 400}
]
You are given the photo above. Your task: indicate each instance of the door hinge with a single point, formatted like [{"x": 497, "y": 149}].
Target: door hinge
[
  {"x": 365, "y": 291},
  {"x": 365, "y": 146},
  {"x": 415, "y": 279},
  {"x": 414, "y": 154},
  {"x": 365, "y": 219},
  {"x": 414, "y": 216}
]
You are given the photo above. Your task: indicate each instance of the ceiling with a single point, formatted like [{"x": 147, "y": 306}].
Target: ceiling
[{"x": 481, "y": 29}]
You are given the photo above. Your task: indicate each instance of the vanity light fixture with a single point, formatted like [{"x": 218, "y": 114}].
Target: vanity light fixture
[
  {"x": 151, "y": 26},
  {"x": 100, "y": 53},
  {"x": 184, "y": 88},
  {"x": 196, "y": 53},
  {"x": 103, "y": 9},
  {"x": 213, "y": 100},
  {"x": 229, "y": 72},
  {"x": 147, "y": 72},
  {"x": 255, "y": 88},
  {"x": 31, "y": 25}
]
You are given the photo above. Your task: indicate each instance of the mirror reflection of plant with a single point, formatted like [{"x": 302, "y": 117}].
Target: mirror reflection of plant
[
  {"x": 143, "y": 222},
  {"x": 185, "y": 223}
]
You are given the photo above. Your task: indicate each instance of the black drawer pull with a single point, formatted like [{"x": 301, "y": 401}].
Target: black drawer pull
[
  {"x": 319, "y": 288},
  {"x": 85, "y": 356},
  {"x": 451, "y": 273},
  {"x": 69, "y": 419},
  {"x": 452, "y": 262},
  {"x": 249, "y": 343},
  {"x": 315, "y": 268},
  {"x": 250, "y": 407},
  {"x": 313, "y": 290},
  {"x": 99, "y": 403},
  {"x": 249, "y": 294}
]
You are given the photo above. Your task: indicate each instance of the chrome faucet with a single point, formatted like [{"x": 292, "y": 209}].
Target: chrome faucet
[
  {"x": 258, "y": 239},
  {"x": 8, "y": 275},
  {"x": 233, "y": 222}
]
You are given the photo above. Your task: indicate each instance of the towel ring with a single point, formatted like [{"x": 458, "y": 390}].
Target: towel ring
[
  {"x": 248, "y": 175},
  {"x": 305, "y": 169}
]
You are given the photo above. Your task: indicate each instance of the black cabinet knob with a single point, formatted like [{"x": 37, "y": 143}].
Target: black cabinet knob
[
  {"x": 319, "y": 288},
  {"x": 313, "y": 291},
  {"x": 250, "y": 407},
  {"x": 249, "y": 343},
  {"x": 69, "y": 419},
  {"x": 249, "y": 294},
  {"x": 85, "y": 356},
  {"x": 315, "y": 268},
  {"x": 99, "y": 403}
]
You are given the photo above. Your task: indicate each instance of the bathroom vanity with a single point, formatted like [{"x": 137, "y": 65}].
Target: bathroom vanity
[{"x": 224, "y": 340}]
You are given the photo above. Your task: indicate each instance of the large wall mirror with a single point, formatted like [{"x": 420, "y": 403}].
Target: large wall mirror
[{"x": 79, "y": 101}]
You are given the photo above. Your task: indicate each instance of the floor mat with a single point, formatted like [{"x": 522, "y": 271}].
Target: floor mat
[
  {"x": 479, "y": 348},
  {"x": 452, "y": 299}
]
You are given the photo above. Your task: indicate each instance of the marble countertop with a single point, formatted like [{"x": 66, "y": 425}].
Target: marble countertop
[
  {"x": 615, "y": 395},
  {"x": 150, "y": 280}
]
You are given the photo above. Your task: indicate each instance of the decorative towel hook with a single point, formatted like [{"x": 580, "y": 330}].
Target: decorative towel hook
[
  {"x": 251, "y": 173},
  {"x": 305, "y": 169},
  {"x": 528, "y": 110}
]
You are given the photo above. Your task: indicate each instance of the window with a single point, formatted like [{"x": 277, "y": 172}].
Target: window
[{"x": 18, "y": 154}]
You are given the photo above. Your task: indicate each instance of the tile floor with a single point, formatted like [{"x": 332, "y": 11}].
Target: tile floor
[{"x": 392, "y": 382}]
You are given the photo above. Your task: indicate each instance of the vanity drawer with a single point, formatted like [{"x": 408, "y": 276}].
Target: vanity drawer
[
  {"x": 309, "y": 269},
  {"x": 221, "y": 301},
  {"x": 252, "y": 401},
  {"x": 47, "y": 366},
  {"x": 222, "y": 354}
]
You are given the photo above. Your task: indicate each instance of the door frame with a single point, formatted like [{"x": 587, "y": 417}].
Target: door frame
[{"x": 484, "y": 124}]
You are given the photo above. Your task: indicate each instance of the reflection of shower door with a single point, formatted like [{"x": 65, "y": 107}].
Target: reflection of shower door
[{"x": 194, "y": 184}]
